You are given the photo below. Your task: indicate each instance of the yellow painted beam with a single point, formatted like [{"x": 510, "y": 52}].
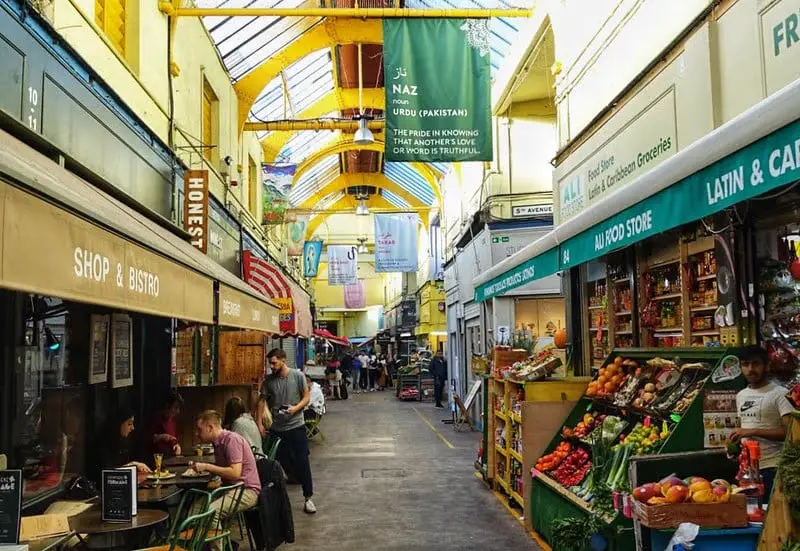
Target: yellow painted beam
[
  {"x": 297, "y": 125},
  {"x": 349, "y": 202},
  {"x": 343, "y": 144},
  {"x": 338, "y": 99},
  {"x": 347, "y": 180},
  {"x": 349, "y": 13},
  {"x": 327, "y": 34}
]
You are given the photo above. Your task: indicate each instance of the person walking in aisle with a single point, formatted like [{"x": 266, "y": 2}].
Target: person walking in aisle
[
  {"x": 356, "y": 372},
  {"x": 364, "y": 370},
  {"x": 287, "y": 395},
  {"x": 334, "y": 376},
  {"x": 373, "y": 372},
  {"x": 439, "y": 372}
]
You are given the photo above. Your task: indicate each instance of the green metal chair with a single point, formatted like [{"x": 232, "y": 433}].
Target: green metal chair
[
  {"x": 312, "y": 425},
  {"x": 221, "y": 528},
  {"x": 193, "y": 502},
  {"x": 273, "y": 443},
  {"x": 196, "y": 526}
]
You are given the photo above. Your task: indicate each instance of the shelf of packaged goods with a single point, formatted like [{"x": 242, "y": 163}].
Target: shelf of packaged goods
[
  {"x": 705, "y": 333},
  {"x": 559, "y": 489},
  {"x": 706, "y": 277},
  {"x": 500, "y": 450},
  {"x": 624, "y": 333},
  {"x": 500, "y": 415},
  {"x": 596, "y": 307},
  {"x": 698, "y": 309},
  {"x": 669, "y": 296},
  {"x": 516, "y": 456},
  {"x": 518, "y": 498},
  {"x": 621, "y": 281},
  {"x": 664, "y": 263},
  {"x": 598, "y": 329},
  {"x": 625, "y": 313},
  {"x": 667, "y": 329}
]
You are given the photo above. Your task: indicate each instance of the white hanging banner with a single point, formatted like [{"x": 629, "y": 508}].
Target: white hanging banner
[
  {"x": 396, "y": 242},
  {"x": 342, "y": 265}
]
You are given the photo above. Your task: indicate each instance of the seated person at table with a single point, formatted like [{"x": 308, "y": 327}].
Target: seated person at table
[
  {"x": 162, "y": 432},
  {"x": 242, "y": 423},
  {"x": 234, "y": 462},
  {"x": 117, "y": 447}
]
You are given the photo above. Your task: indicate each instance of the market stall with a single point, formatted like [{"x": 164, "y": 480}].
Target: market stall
[{"x": 639, "y": 403}]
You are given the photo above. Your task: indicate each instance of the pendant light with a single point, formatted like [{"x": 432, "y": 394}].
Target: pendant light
[
  {"x": 363, "y": 135},
  {"x": 361, "y": 209}
]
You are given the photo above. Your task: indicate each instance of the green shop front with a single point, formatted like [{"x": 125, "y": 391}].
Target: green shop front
[{"x": 688, "y": 261}]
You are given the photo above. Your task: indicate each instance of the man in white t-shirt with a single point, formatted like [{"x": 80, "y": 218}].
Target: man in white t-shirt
[{"x": 763, "y": 410}]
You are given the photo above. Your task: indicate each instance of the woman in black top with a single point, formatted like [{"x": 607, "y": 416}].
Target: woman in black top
[{"x": 118, "y": 447}]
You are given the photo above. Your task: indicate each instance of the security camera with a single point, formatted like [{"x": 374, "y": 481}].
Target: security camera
[{"x": 228, "y": 160}]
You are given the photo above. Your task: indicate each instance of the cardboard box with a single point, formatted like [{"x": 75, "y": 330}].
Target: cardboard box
[
  {"x": 506, "y": 357},
  {"x": 706, "y": 515}
]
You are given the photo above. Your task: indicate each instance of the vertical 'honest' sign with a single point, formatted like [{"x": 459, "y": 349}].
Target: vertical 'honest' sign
[
  {"x": 437, "y": 82},
  {"x": 195, "y": 207}
]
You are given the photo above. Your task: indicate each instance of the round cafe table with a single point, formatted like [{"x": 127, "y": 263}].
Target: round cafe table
[{"x": 91, "y": 523}]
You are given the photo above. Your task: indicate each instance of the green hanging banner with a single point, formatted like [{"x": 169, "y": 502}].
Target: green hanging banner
[{"x": 438, "y": 95}]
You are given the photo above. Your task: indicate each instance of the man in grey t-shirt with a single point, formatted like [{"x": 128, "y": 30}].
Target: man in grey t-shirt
[{"x": 287, "y": 396}]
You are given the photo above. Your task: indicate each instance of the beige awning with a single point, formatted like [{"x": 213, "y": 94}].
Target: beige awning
[
  {"x": 63, "y": 237},
  {"x": 237, "y": 309}
]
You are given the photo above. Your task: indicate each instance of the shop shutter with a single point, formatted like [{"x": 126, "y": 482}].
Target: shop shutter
[
  {"x": 289, "y": 345},
  {"x": 110, "y": 16}
]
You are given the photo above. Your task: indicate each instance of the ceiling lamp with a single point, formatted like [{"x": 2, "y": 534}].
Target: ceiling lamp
[
  {"x": 362, "y": 246},
  {"x": 361, "y": 209},
  {"x": 363, "y": 135}
]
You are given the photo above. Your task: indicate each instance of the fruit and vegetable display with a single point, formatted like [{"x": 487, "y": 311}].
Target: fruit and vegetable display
[
  {"x": 694, "y": 489},
  {"x": 584, "y": 426},
  {"x": 657, "y": 386},
  {"x": 552, "y": 460},
  {"x": 646, "y": 439},
  {"x": 534, "y": 368},
  {"x": 573, "y": 468}
]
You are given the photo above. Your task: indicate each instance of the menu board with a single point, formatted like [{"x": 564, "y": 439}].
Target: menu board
[
  {"x": 118, "y": 494},
  {"x": 719, "y": 417},
  {"x": 98, "y": 361},
  {"x": 122, "y": 366},
  {"x": 10, "y": 505}
]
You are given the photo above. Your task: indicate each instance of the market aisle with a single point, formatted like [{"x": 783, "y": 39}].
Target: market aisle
[{"x": 384, "y": 480}]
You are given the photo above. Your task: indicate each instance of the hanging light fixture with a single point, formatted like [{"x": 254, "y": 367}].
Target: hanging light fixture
[
  {"x": 362, "y": 246},
  {"x": 361, "y": 209},
  {"x": 363, "y": 135}
]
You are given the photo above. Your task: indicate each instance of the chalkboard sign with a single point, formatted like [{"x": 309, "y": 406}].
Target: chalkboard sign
[
  {"x": 122, "y": 366},
  {"x": 118, "y": 494},
  {"x": 10, "y": 505},
  {"x": 98, "y": 361}
]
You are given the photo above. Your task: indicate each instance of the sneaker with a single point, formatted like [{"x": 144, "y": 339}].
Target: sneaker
[
  {"x": 439, "y": 406},
  {"x": 310, "y": 508}
]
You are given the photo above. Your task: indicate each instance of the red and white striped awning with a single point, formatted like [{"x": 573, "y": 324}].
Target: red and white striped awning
[{"x": 269, "y": 280}]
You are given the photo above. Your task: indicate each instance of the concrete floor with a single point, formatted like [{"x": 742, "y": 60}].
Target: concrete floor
[{"x": 384, "y": 480}]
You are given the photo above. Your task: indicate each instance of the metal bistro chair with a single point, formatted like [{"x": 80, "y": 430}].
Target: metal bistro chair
[
  {"x": 193, "y": 502},
  {"x": 312, "y": 424},
  {"x": 196, "y": 526},
  {"x": 221, "y": 528},
  {"x": 271, "y": 447}
]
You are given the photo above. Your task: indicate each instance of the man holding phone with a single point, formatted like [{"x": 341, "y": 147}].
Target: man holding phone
[{"x": 287, "y": 396}]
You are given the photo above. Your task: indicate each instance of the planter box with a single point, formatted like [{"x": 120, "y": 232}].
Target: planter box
[{"x": 706, "y": 515}]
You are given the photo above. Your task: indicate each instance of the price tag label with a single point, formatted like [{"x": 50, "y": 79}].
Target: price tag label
[
  {"x": 675, "y": 417},
  {"x": 535, "y": 472},
  {"x": 647, "y": 421}
]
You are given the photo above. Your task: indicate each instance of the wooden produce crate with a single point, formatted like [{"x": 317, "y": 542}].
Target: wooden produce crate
[
  {"x": 706, "y": 515},
  {"x": 503, "y": 357}
]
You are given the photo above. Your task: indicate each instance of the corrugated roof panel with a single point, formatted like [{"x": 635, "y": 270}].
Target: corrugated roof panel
[
  {"x": 410, "y": 180},
  {"x": 304, "y": 144},
  {"x": 314, "y": 179},
  {"x": 503, "y": 30},
  {"x": 395, "y": 199},
  {"x": 246, "y": 42}
]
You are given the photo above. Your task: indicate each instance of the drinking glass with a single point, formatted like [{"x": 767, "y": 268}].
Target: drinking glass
[{"x": 158, "y": 458}]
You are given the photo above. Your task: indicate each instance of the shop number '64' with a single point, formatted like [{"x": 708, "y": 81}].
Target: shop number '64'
[{"x": 97, "y": 267}]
